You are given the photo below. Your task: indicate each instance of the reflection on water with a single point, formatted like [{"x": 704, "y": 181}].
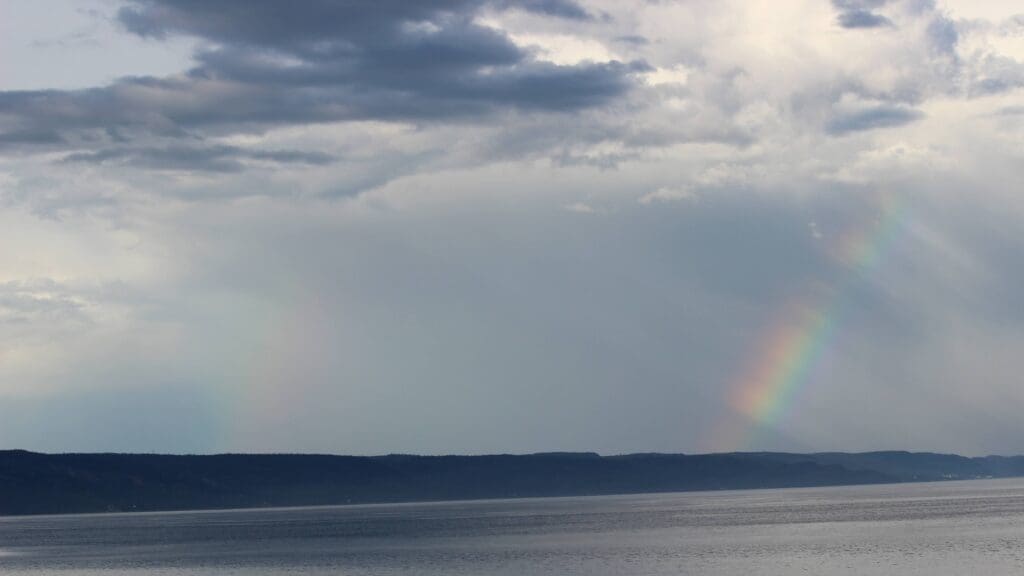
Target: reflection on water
[{"x": 943, "y": 528}]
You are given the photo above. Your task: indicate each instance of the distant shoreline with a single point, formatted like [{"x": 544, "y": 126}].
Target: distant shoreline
[
  {"x": 34, "y": 483},
  {"x": 510, "y": 500}
]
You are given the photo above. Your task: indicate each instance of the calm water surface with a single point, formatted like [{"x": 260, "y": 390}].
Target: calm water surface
[{"x": 936, "y": 529}]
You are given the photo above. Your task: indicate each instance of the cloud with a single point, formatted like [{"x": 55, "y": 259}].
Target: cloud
[
  {"x": 858, "y": 14},
  {"x": 216, "y": 158},
  {"x": 561, "y": 8},
  {"x": 18, "y": 138},
  {"x": 580, "y": 208},
  {"x": 38, "y": 301},
  {"x": 862, "y": 19},
  {"x": 266, "y": 64},
  {"x": 271, "y": 24},
  {"x": 667, "y": 194},
  {"x": 871, "y": 118},
  {"x": 943, "y": 35},
  {"x": 632, "y": 39}
]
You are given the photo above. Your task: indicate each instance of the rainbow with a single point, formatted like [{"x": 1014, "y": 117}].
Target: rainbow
[{"x": 783, "y": 361}]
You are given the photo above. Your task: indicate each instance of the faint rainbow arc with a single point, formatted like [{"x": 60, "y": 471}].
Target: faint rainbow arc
[{"x": 788, "y": 351}]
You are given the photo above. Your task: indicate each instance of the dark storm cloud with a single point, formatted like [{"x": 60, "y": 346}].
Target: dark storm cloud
[
  {"x": 29, "y": 137},
  {"x": 863, "y": 19},
  {"x": 271, "y": 63},
  {"x": 884, "y": 116},
  {"x": 561, "y": 8},
  {"x": 198, "y": 158},
  {"x": 283, "y": 24},
  {"x": 859, "y": 14}
]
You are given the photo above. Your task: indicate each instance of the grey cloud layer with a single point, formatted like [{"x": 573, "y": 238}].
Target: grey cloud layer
[
  {"x": 884, "y": 116},
  {"x": 266, "y": 64},
  {"x": 199, "y": 158},
  {"x": 270, "y": 63}
]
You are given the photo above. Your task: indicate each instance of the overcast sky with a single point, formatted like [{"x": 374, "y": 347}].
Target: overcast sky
[{"x": 477, "y": 226}]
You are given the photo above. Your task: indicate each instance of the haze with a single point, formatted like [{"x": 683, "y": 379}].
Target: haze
[{"x": 480, "y": 226}]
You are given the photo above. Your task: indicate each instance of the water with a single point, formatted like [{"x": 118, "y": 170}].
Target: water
[{"x": 935, "y": 529}]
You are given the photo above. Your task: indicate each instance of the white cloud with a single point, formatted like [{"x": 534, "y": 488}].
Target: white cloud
[
  {"x": 668, "y": 194},
  {"x": 563, "y": 49},
  {"x": 580, "y": 208},
  {"x": 674, "y": 75}
]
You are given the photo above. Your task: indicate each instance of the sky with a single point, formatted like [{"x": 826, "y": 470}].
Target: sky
[{"x": 508, "y": 226}]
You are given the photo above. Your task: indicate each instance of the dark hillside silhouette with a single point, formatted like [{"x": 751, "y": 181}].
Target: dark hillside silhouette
[{"x": 33, "y": 483}]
